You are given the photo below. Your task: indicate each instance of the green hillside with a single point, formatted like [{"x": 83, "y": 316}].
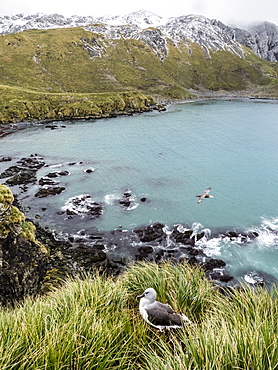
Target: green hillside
[{"x": 52, "y": 63}]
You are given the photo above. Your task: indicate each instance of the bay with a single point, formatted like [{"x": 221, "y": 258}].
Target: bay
[{"x": 166, "y": 159}]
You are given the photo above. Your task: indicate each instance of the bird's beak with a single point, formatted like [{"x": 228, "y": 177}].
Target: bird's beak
[{"x": 140, "y": 296}]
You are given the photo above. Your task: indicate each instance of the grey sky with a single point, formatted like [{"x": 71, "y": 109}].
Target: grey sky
[{"x": 236, "y": 12}]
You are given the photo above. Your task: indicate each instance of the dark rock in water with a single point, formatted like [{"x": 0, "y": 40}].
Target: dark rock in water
[
  {"x": 24, "y": 172},
  {"x": 52, "y": 174},
  {"x": 212, "y": 263},
  {"x": 191, "y": 250},
  {"x": 150, "y": 233},
  {"x": 238, "y": 236},
  {"x": 200, "y": 236},
  {"x": 232, "y": 234},
  {"x": 5, "y": 159},
  {"x": 183, "y": 236},
  {"x": 63, "y": 173},
  {"x": 11, "y": 171},
  {"x": 222, "y": 277},
  {"x": 46, "y": 181},
  {"x": 52, "y": 127},
  {"x": 89, "y": 170},
  {"x": 126, "y": 199},
  {"x": 33, "y": 162},
  {"x": 69, "y": 212},
  {"x": 46, "y": 192},
  {"x": 23, "y": 177},
  {"x": 83, "y": 205},
  {"x": 254, "y": 234},
  {"x": 57, "y": 174}
]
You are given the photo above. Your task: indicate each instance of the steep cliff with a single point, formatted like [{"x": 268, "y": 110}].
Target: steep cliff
[
  {"x": 23, "y": 259},
  {"x": 261, "y": 38}
]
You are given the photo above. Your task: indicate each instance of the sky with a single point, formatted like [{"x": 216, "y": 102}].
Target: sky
[{"x": 233, "y": 12}]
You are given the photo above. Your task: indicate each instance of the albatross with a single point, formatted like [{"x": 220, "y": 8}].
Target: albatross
[
  {"x": 204, "y": 195},
  {"x": 159, "y": 315}
]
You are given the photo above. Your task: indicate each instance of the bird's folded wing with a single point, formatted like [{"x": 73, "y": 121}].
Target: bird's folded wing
[{"x": 162, "y": 317}]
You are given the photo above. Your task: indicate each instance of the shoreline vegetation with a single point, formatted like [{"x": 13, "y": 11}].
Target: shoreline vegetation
[{"x": 20, "y": 107}]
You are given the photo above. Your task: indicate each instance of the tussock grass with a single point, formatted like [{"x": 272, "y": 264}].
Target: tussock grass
[{"x": 94, "y": 324}]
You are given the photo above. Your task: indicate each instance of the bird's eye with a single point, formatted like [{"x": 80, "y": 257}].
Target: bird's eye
[{"x": 147, "y": 293}]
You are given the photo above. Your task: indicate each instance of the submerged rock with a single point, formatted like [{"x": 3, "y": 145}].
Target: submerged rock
[
  {"x": 34, "y": 162},
  {"x": 127, "y": 199},
  {"x": 24, "y": 172},
  {"x": 23, "y": 177},
  {"x": 11, "y": 171},
  {"x": 5, "y": 159},
  {"x": 182, "y": 236},
  {"x": 57, "y": 174},
  {"x": 46, "y": 181},
  {"x": 49, "y": 191}
]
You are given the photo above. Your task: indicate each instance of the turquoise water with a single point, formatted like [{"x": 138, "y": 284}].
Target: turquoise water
[{"x": 230, "y": 146}]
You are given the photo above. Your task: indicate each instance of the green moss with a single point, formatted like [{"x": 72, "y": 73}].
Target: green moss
[
  {"x": 29, "y": 231},
  {"x": 6, "y": 198}
]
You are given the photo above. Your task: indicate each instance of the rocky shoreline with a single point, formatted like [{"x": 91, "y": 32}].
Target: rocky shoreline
[
  {"x": 11, "y": 127},
  {"x": 71, "y": 254}
]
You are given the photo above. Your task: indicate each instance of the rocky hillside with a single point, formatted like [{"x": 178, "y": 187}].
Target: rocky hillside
[{"x": 261, "y": 38}]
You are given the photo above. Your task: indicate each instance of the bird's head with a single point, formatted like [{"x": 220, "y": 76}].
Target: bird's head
[{"x": 149, "y": 294}]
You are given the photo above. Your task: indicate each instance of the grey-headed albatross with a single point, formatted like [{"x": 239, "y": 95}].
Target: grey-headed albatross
[
  {"x": 159, "y": 315},
  {"x": 204, "y": 195}
]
